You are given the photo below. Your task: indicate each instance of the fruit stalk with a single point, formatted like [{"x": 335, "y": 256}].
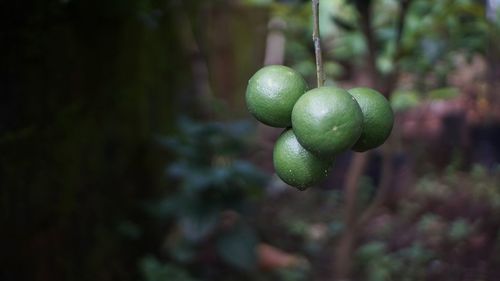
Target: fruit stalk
[{"x": 317, "y": 44}]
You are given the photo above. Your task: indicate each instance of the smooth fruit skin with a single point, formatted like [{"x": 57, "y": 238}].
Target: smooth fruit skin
[
  {"x": 327, "y": 121},
  {"x": 378, "y": 118},
  {"x": 295, "y": 165},
  {"x": 272, "y": 92}
]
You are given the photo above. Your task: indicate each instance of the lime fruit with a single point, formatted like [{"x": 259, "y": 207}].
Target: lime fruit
[
  {"x": 271, "y": 93},
  {"x": 327, "y": 121},
  {"x": 295, "y": 165},
  {"x": 378, "y": 118}
]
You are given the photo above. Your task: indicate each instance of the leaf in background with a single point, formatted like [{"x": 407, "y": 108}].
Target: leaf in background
[
  {"x": 428, "y": 222},
  {"x": 238, "y": 129},
  {"x": 258, "y": 2},
  {"x": 443, "y": 93},
  {"x": 404, "y": 99},
  {"x": 349, "y": 46},
  {"x": 221, "y": 175},
  {"x": 343, "y": 24},
  {"x": 153, "y": 270},
  {"x": 197, "y": 179},
  {"x": 248, "y": 174},
  {"x": 177, "y": 170},
  {"x": 371, "y": 251},
  {"x": 198, "y": 224},
  {"x": 182, "y": 250},
  {"x": 385, "y": 64},
  {"x": 459, "y": 230},
  {"x": 238, "y": 247},
  {"x": 305, "y": 67},
  {"x": 416, "y": 253},
  {"x": 333, "y": 69},
  {"x": 168, "y": 207}
]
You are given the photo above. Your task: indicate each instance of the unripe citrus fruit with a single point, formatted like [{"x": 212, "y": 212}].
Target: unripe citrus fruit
[
  {"x": 295, "y": 165},
  {"x": 271, "y": 93},
  {"x": 327, "y": 121},
  {"x": 378, "y": 118}
]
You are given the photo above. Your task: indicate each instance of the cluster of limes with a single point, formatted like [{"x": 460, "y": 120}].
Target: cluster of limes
[{"x": 320, "y": 123}]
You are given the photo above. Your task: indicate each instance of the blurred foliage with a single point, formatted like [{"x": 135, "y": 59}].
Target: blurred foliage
[
  {"x": 153, "y": 270},
  {"x": 404, "y": 99},
  {"x": 433, "y": 35},
  {"x": 444, "y": 228},
  {"x": 436, "y": 32},
  {"x": 440, "y": 215},
  {"x": 215, "y": 186}
]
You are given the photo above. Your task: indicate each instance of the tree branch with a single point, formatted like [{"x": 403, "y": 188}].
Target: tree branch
[
  {"x": 317, "y": 44},
  {"x": 383, "y": 187},
  {"x": 365, "y": 11},
  {"x": 392, "y": 79},
  {"x": 405, "y": 4},
  {"x": 343, "y": 260}
]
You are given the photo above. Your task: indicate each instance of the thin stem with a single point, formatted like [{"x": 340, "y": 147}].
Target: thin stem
[{"x": 317, "y": 44}]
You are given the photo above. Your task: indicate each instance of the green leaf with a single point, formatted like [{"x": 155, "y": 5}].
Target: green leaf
[
  {"x": 258, "y": 2},
  {"x": 371, "y": 251},
  {"x": 459, "y": 230},
  {"x": 443, "y": 93},
  {"x": 404, "y": 99},
  {"x": 248, "y": 175},
  {"x": 305, "y": 67},
  {"x": 153, "y": 270},
  {"x": 237, "y": 247},
  {"x": 182, "y": 250},
  {"x": 333, "y": 69},
  {"x": 385, "y": 64},
  {"x": 166, "y": 208},
  {"x": 416, "y": 253},
  {"x": 197, "y": 225}
]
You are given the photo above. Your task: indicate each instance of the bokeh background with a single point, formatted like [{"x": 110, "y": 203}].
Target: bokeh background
[{"x": 127, "y": 153}]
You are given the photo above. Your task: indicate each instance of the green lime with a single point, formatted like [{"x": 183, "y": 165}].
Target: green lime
[
  {"x": 271, "y": 93},
  {"x": 295, "y": 165},
  {"x": 327, "y": 121},
  {"x": 378, "y": 118}
]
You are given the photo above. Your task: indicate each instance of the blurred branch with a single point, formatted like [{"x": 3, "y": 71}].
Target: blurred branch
[
  {"x": 401, "y": 24},
  {"x": 391, "y": 80},
  {"x": 202, "y": 89},
  {"x": 358, "y": 165},
  {"x": 317, "y": 44},
  {"x": 383, "y": 188},
  {"x": 343, "y": 261},
  {"x": 343, "y": 255},
  {"x": 365, "y": 11},
  {"x": 391, "y": 83}
]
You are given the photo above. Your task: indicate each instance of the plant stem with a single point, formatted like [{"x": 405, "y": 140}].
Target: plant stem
[{"x": 317, "y": 44}]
